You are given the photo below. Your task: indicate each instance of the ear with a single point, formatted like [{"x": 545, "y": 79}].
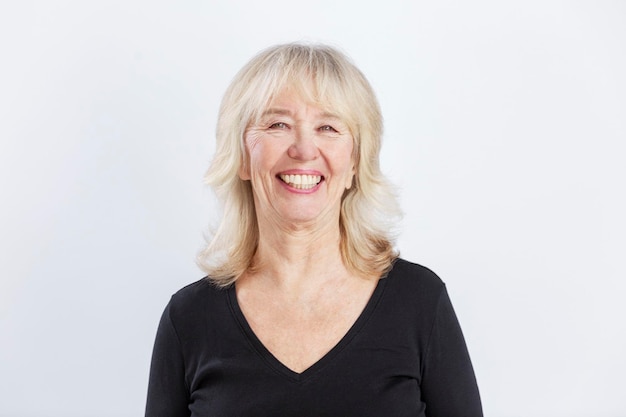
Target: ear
[
  {"x": 355, "y": 161},
  {"x": 350, "y": 180},
  {"x": 244, "y": 171}
]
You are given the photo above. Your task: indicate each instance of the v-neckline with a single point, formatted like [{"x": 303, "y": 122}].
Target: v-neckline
[{"x": 270, "y": 360}]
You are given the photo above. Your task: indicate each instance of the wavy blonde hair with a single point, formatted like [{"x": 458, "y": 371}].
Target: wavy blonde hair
[{"x": 369, "y": 208}]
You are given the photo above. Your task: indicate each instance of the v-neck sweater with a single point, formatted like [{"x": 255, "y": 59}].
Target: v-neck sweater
[{"x": 405, "y": 355}]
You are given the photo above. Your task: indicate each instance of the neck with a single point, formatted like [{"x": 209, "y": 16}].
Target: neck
[{"x": 297, "y": 258}]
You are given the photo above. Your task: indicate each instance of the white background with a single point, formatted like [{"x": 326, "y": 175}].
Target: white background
[{"x": 505, "y": 130}]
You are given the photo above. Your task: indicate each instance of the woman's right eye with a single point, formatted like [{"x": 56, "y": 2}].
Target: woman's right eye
[{"x": 278, "y": 125}]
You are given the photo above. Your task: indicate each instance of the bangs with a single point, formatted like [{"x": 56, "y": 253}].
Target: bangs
[{"x": 316, "y": 76}]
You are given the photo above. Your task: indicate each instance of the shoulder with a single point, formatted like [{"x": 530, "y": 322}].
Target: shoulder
[
  {"x": 409, "y": 274},
  {"x": 413, "y": 286},
  {"x": 197, "y": 298},
  {"x": 200, "y": 288}
]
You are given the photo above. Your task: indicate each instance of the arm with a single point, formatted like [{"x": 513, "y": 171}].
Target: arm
[
  {"x": 448, "y": 381},
  {"x": 168, "y": 392}
]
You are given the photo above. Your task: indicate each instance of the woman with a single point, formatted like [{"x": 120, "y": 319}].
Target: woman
[{"x": 306, "y": 309}]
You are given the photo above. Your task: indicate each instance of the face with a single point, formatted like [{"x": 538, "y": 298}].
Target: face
[{"x": 299, "y": 162}]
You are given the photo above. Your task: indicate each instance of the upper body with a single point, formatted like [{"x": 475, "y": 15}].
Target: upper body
[
  {"x": 404, "y": 356},
  {"x": 299, "y": 257}
]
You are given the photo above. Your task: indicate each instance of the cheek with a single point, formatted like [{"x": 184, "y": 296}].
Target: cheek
[
  {"x": 347, "y": 158},
  {"x": 263, "y": 154},
  {"x": 344, "y": 166},
  {"x": 257, "y": 155}
]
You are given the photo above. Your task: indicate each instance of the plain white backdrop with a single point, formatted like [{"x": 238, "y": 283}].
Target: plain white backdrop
[{"x": 505, "y": 132}]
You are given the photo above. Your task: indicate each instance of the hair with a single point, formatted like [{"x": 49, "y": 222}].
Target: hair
[{"x": 369, "y": 208}]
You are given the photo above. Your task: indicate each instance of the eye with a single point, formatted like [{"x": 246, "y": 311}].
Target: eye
[
  {"x": 328, "y": 128},
  {"x": 278, "y": 125}
]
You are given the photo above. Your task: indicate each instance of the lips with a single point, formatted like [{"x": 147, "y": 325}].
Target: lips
[{"x": 301, "y": 181}]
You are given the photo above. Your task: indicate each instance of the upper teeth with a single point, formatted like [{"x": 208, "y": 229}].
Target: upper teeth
[{"x": 307, "y": 181}]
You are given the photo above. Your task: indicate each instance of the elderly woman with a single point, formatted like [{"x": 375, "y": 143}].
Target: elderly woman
[{"x": 306, "y": 309}]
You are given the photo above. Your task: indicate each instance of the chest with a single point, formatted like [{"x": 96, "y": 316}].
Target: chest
[
  {"x": 299, "y": 333},
  {"x": 298, "y": 338},
  {"x": 370, "y": 372}
]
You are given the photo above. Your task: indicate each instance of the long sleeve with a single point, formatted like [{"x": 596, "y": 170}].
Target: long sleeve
[
  {"x": 448, "y": 382},
  {"x": 167, "y": 390}
]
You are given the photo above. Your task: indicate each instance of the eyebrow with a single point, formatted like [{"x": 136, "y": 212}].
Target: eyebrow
[
  {"x": 273, "y": 111},
  {"x": 330, "y": 115},
  {"x": 284, "y": 112}
]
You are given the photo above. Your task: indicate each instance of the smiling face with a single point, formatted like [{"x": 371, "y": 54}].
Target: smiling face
[{"x": 299, "y": 162}]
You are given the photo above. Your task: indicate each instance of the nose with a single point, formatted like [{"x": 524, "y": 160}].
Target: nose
[{"x": 304, "y": 146}]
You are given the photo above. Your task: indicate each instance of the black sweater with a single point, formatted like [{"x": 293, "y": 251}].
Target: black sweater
[{"x": 404, "y": 356}]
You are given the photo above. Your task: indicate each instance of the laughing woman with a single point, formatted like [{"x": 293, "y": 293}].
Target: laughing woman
[{"x": 307, "y": 309}]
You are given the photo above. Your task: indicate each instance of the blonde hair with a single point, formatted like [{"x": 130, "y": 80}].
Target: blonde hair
[{"x": 369, "y": 209}]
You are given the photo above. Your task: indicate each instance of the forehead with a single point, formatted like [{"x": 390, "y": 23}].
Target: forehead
[
  {"x": 294, "y": 96},
  {"x": 288, "y": 103}
]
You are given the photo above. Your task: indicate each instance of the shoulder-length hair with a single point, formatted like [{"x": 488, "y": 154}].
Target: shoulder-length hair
[{"x": 369, "y": 208}]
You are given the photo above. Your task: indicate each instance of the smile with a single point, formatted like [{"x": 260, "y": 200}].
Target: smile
[{"x": 301, "y": 182}]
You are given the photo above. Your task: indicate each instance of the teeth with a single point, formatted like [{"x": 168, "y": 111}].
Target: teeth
[{"x": 302, "y": 182}]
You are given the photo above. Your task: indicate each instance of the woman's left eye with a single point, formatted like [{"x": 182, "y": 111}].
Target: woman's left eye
[{"x": 328, "y": 128}]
